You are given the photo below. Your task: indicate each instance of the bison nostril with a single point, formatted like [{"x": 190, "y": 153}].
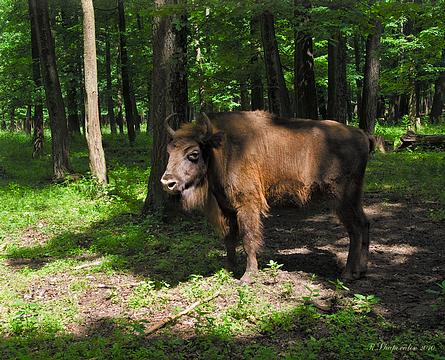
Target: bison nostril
[{"x": 171, "y": 185}]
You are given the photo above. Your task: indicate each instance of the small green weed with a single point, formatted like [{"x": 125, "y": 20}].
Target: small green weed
[{"x": 363, "y": 303}]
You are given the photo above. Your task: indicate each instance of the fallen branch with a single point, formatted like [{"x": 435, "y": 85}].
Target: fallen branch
[
  {"x": 172, "y": 318},
  {"x": 88, "y": 265},
  {"x": 412, "y": 140}
]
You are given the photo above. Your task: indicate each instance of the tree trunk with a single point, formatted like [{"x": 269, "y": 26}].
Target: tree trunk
[
  {"x": 37, "y": 78},
  {"x": 3, "y": 126},
  {"x": 12, "y": 125},
  {"x": 256, "y": 89},
  {"x": 337, "y": 85},
  {"x": 27, "y": 122},
  {"x": 110, "y": 102},
  {"x": 439, "y": 95},
  {"x": 54, "y": 100},
  {"x": 371, "y": 81},
  {"x": 244, "y": 96},
  {"x": 69, "y": 19},
  {"x": 127, "y": 90},
  {"x": 92, "y": 122},
  {"x": 279, "y": 102},
  {"x": 169, "y": 95},
  {"x": 358, "y": 70},
  {"x": 304, "y": 76}
]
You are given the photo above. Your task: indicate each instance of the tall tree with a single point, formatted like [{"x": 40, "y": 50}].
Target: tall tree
[
  {"x": 337, "y": 84},
  {"x": 109, "y": 93},
  {"x": 368, "y": 111},
  {"x": 279, "y": 102},
  {"x": 304, "y": 78},
  {"x": 92, "y": 121},
  {"x": 169, "y": 93},
  {"x": 37, "y": 78},
  {"x": 358, "y": 68},
  {"x": 439, "y": 95},
  {"x": 54, "y": 100},
  {"x": 69, "y": 20},
  {"x": 127, "y": 89},
  {"x": 256, "y": 84}
]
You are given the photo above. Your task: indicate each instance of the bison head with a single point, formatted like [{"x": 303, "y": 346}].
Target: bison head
[{"x": 189, "y": 152}]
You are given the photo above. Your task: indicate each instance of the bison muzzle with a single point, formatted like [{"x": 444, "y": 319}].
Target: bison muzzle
[{"x": 230, "y": 165}]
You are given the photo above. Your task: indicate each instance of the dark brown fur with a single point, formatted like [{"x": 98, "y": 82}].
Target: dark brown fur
[{"x": 247, "y": 159}]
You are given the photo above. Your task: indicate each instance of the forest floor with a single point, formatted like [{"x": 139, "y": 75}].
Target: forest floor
[{"x": 82, "y": 275}]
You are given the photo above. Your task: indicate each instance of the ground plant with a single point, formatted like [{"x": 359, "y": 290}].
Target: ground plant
[{"x": 83, "y": 275}]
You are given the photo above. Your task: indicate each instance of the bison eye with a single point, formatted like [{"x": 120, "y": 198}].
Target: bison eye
[{"x": 193, "y": 156}]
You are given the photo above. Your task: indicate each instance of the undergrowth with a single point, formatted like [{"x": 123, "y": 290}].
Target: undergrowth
[{"x": 71, "y": 249}]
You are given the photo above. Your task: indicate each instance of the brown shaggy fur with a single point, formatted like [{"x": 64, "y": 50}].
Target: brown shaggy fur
[{"x": 247, "y": 159}]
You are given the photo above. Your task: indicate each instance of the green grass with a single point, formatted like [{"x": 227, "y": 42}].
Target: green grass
[
  {"x": 394, "y": 132},
  {"x": 71, "y": 249}
]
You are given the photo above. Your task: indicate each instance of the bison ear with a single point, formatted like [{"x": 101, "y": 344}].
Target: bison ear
[{"x": 216, "y": 139}]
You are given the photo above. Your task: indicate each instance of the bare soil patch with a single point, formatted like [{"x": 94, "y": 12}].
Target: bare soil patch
[{"x": 407, "y": 252}]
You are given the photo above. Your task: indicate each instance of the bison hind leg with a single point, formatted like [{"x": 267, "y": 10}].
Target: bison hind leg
[{"x": 357, "y": 226}]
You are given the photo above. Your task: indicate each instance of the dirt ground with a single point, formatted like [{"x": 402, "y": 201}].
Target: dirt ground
[
  {"x": 407, "y": 253},
  {"x": 407, "y": 257}
]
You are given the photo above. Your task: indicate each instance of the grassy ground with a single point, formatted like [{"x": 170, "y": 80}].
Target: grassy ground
[{"x": 84, "y": 276}]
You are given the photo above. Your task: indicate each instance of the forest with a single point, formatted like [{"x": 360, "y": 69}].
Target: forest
[{"x": 98, "y": 262}]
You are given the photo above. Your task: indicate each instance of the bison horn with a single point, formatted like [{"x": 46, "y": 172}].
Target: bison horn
[
  {"x": 170, "y": 131},
  {"x": 206, "y": 122}
]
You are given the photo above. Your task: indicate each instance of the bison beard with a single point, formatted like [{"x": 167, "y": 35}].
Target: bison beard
[
  {"x": 239, "y": 161},
  {"x": 195, "y": 196}
]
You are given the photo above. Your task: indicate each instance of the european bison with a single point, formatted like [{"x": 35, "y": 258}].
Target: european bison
[{"x": 232, "y": 164}]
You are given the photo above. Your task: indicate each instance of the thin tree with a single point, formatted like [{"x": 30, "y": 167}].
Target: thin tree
[
  {"x": 256, "y": 84},
  {"x": 368, "y": 111},
  {"x": 169, "y": 95},
  {"x": 54, "y": 100},
  {"x": 69, "y": 19},
  {"x": 127, "y": 90},
  {"x": 279, "y": 102},
  {"x": 439, "y": 95},
  {"x": 37, "y": 137},
  {"x": 92, "y": 122},
  {"x": 110, "y": 102},
  {"x": 304, "y": 78},
  {"x": 337, "y": 85}
]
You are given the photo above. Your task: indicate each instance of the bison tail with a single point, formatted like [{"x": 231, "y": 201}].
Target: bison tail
[{"x": 372, "y": 143}]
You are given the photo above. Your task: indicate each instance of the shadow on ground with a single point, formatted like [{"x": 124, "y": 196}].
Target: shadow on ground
[{"x": 407, "y": 250}]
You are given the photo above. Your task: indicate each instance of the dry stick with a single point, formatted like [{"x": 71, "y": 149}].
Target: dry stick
[{"x": 172, "y": 318}]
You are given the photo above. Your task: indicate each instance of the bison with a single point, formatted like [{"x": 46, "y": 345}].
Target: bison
[{"x": 231, "y": 165}]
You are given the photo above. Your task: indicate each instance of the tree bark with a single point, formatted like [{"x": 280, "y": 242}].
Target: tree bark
[
  {"x": 304, "y": 76},
  {"x": 439, "y": 95},
  {"x": 127, "y": 89},
  {"x": 371, "y": 81},
  {"x": 92, "y": 123},
  {"x": 12, "y": 125},
  {"x": 54, "y": 100},
  {"x": 70, "y": 19},
  {"x": 27, "y": 122},
  {"x": 256, "y": 84},
  {"x": 37, "y": 78},
  {"x": 169, "y": 95},
  {"x": 110, "y": 102},
  {"x": 337, "y": 85},
  {"x": 3, "y": 126},
  {"x": 244, "y": 96},
  {"x": 279, "y": 102},
  {"x": 358, "y": 68}
]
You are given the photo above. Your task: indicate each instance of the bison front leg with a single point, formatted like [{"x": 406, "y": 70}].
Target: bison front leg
[
  {"x": 230, "y": 241},
  {"x": 250, "y": 228}
]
